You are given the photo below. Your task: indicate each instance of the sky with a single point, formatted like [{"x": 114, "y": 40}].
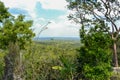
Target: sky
[{"x": 42, "y": 12}]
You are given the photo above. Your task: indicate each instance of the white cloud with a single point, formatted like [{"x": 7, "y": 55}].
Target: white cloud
[
  {"x": 53, "y": 4},
  {"x": 59, "y": 27},
  {"x": 23, "y": 4},
  {"x": 28, "y": 5}
]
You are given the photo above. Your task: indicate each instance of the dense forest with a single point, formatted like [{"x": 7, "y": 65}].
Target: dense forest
[{"x": 96, "y": 56}]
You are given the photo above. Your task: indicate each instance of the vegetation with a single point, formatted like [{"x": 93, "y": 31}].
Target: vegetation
[
  {"x": 89, "y": 12},
  {"x": 15, "y": 34},
  {"x": 22, "y": 58},
  {"x": 96, "y": 50},
  {"x": 40, "y": 59},
  {"x": 96, "y": 19}
]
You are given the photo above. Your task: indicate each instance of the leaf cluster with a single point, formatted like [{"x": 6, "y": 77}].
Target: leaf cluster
[
  {"x": 94, "y": 60},
  {"x": 15, "y": 31},
  {"x": 3, "y": 12}
]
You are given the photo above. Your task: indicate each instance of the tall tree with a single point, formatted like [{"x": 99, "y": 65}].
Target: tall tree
[
  {"x": 15, "y": 34},
  {"x": 15, "y": 31},
  {"x": 87, "y": 12},
  {"x": 94, "y": 58}
]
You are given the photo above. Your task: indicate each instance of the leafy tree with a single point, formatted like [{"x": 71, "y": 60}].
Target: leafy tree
[
  {"x": 15, "y": 34},
  {"x": 94, "y": 60},
  {"x": 3, "y": 12},
  {"x": 87, "y": 12},
  {"x": 15, "y": 31}
]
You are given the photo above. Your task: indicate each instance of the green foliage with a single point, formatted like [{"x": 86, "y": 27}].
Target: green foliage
[
  {"x": 2, "y": 54},
  {"x": 3, "y": 12},
  {"x": 89, "y": 12},
  {"x": 15, "y": 31},
  {"x": 96, "y": 17},
  {"x": 42, "y": 60},
  {"x": 94, "y": 60},
  {"x": 68, "y": 68}
]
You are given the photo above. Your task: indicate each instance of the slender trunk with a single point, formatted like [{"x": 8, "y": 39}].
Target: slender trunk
[
  {"x": 10, "y": 62},
  {"x": 18, "y": 67},
  {"x": 9, "y": 68},
  {"x": 115, "y": 57}
]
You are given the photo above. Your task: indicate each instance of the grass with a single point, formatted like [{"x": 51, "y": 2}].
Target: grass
[{"x": 115, "y": 76}]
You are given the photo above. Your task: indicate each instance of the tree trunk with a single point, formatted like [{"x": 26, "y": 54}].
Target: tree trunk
[
  {"x": 115, "y": 57},
  {"x": 10, "y": 62},
  {"x": 9, "y": 68}
]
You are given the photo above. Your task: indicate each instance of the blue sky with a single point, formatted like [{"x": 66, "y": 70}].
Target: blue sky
[
  {"x": 47, "y": 13},
  {"x": 42, "y": 12}
]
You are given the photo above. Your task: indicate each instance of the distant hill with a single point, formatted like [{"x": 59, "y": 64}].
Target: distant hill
[{"x": 57, "y": 38}]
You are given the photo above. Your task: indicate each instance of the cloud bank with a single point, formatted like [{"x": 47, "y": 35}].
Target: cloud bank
[{"x": 43, "y": 11}]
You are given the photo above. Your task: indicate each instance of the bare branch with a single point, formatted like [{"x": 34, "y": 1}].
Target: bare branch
[{"x": 107, "y": 13}]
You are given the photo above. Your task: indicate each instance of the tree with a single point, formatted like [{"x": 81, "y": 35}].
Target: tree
[
  {"x": 15, "y": 34},
  {"x": 15, "y": 31},
  {"x": 87, "y": 12},
  {"x": 94, "y": 59},
  {"x": 3, "y": 12}
]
